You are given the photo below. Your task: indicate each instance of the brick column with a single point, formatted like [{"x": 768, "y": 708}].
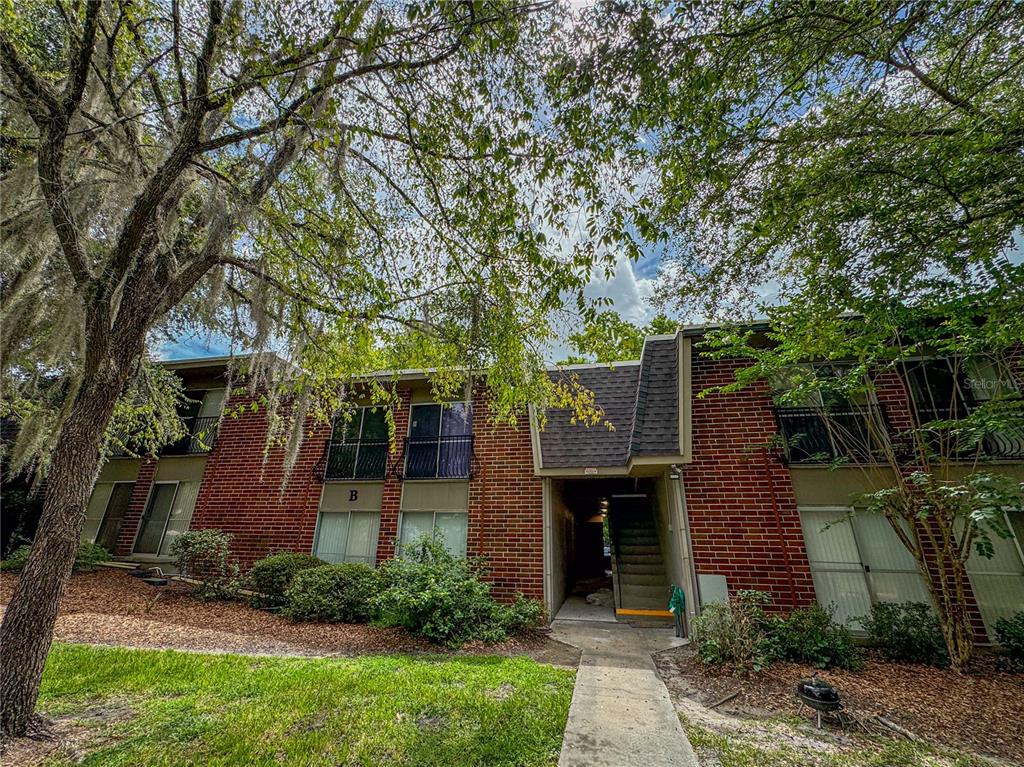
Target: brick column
[
  {"x": 136, "y": 507},
  {"x": 392, "y": 496},
  {"x": 892, "y": 392},
  {"x": 506, "y": 505}
]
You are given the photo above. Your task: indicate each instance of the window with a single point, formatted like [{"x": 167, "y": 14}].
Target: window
[
  {"x": 450, "y": 526},
  {"x": 858, "y": 561},
  {"x": 168, "y": 514},
  {"x": 106, "y": 510},
  {"x": 825, "y": 423},
  {"x": 359, "y": 445},
  {"x": 347, "y": 536},
  {"x": 201, "y": 416},
  {"x": 440, "y": 443},
  {"x": 950, "y": 389}
]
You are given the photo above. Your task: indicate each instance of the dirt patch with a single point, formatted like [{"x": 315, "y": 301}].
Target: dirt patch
[
  {"x": 63, "y": 737},
  {"x": 976, "y": 712},
  {"x": 112, "y": 608},
  {"x": 503, "y": 692}
]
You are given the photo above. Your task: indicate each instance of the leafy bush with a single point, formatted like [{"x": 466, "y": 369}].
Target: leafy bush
[
  {"x": 205, "y": 555},
  {"x": 523, "y": 614},
  {"x": 906, "y": 631},
  {"x": 433, "y": 594},
  {"x": 272, "y": 575},
  {"x": 16, "y": 559},
  {"x": 86, "y": 558},
  {"x": 1010, "y": 632},
  {"x": 331, "y": 594},
  {"x": 735, "y": 634},
  {"x": 809, "y": 635}
]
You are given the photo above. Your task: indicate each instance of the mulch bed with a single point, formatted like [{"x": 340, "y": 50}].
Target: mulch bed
[
  {"x": 110, "y": 607},
  {"x": 981, "y": 711}
]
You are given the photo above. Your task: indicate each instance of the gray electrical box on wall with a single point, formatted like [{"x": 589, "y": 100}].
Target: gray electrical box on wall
[{"x": 713, "y": 589}]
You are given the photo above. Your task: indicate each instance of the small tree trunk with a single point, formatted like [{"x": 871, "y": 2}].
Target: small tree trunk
[
  {"x": 27, "y": 629},
  {"x": 948, "y": 595}
]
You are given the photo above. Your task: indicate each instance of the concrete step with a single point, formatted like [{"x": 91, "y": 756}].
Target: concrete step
[
  {"x": 630, "y": 591},
  {"x": 642, "y": 579},
  {"x": 642, "y": 549},
  {"x": 640, "y": 539},
  {"x": 642, "y": 567},
  {"x": 644, "y": 603}
]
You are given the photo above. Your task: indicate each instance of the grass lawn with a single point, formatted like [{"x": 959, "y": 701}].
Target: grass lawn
[{"x": 173, "y": 708}]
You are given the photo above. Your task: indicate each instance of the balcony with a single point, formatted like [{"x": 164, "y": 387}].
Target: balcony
[
  {"x": 836, "y": 435},
  {"x": 1007, "y": 444},
  {"x": 200, "y": 437},
  {"x": 360, "y": 459},
  {"x": 443, "y": 457}
]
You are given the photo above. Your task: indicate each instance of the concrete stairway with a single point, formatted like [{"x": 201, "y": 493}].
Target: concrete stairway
[{"x": 642, "y": 582}]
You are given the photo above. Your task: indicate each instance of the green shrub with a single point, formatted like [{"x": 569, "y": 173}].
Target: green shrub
[
  {"x": 272, "y": 575},
  {"x": 433, "y": 594},
  {"x": 523, "y": 614},
  {"x": 331, "y": 594},
  {"x": 735, "y": 634},
  {"x": 205, "y": 555},
  {"x": 89, "y": 555},
  {"x": 1010, "y": 632},
  {"x": 809, "y": 635},
  {"x": 906, "y": 631},
  {"x": 86, "y": 558},
  {"x": 16, "y": 559}
]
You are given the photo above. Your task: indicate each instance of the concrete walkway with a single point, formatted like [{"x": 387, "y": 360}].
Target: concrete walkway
[{"x": 621, "y": 714}]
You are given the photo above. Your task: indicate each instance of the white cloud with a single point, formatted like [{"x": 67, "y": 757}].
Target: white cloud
[{"x": 631, "y": 295}]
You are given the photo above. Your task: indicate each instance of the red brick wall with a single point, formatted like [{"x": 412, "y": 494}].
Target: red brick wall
[
  {"x": 136, "y": 508},
  {"x": 252, "y": 498},
  {"x": 242, "y": 495},
  {"x": 392, "y": 496},
  {"x": 729, "y": 492},
  {"x": 506, "y": 505}
]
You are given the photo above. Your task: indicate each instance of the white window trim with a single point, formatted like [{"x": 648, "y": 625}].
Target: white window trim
[
  {"x": 849, "y": 512},
  {"x": 348, "y": 529},
  {"x": 433, "y": 523}
]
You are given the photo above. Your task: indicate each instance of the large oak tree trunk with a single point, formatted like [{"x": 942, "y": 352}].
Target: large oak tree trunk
[{"x": 27, "y": 629}]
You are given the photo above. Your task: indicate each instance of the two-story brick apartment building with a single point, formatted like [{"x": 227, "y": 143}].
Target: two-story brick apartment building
[{"x": 684, "y": 489}]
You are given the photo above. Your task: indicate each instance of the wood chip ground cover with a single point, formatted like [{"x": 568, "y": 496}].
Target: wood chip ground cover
[
  {"x": 110, "y": 607},
  {"x": 122, "y": 707},
  {"x": 980, "y": 713}
]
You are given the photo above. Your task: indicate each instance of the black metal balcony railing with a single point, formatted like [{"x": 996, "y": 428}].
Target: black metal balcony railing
[
  {"x": 445, "y": 457},
  {"x": 813, "y": 435},
  {"x": 362, "y": 459},
  {"x": 201, "y": 436},
  {"x": 1006, "y": 443}
]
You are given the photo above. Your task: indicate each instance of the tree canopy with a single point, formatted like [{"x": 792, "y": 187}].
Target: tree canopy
[
  {"x": 610, "y": 338},
  {"x": 846, "y": 154},
  {"x": 354, "y": 186}
]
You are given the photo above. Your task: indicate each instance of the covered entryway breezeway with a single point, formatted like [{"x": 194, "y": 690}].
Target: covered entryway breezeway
[{"x": 611, "y": 547}]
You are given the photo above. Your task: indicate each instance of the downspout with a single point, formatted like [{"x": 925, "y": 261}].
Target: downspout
[
  {"x": 689, "y": 566},
  {"x": 778, "y": 530}
]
